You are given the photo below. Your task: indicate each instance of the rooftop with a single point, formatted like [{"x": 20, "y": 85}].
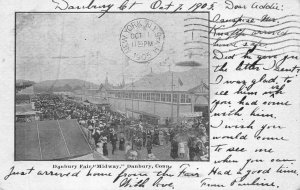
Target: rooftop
[{"x": 182, "y": 81}]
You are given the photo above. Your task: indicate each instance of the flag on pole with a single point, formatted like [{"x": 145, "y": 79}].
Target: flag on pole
[{"x": 180, "y": 82}]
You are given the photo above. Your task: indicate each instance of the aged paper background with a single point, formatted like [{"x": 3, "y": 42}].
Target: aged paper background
[{"x": 281, "y": 153}]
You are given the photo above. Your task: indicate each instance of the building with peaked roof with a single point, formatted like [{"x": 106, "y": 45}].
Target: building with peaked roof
[
  {"x": 91, "y": 95},
  {"x": 161, "y": 97},
  {"x": 96, "y": 96}
]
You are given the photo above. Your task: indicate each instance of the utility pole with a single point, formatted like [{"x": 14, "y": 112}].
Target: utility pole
[
  {"x": 172, "y": 97},
  {"x": 85, "y": 78},
  {"x": 132, "y": 97},
  {"x": 178, "y": 103},
  {"x": 97, "y": 52}
]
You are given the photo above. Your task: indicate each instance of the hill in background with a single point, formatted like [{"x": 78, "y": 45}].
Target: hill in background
[
  {"x": 63, "y": 85},
  {"x": 23, "y": 84}
]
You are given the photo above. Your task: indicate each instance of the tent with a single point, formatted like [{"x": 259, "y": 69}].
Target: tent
[{"x": 50, "y": 140}]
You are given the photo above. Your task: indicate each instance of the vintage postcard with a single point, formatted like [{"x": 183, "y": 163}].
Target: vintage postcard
[{"x": 150, "y": 94}]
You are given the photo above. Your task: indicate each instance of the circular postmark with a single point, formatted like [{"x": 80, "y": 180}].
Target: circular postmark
[{"x": 141, "y": 40}]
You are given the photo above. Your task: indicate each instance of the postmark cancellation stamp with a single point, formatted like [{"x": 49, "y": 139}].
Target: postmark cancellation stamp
[{"x": 141, "y": 40}]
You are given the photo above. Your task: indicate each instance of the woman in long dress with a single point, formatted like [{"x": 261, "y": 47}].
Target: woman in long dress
[
  {"x": 199, "y": 150},
  {"x": 156, "y": 137},
  {"x": 100, "y": 147},
  {"x": 128, "y": 147},
  {"x": 149, "y": 145},
  {"x": 105, "y": 151},
  {"x": 122, "y": 143},
  {"x": 174, "y": 149},
  {"x": 161, "y": 138},
  {"x": 191, "y": 147},
  {"x": 91, "y": 131},
  {"x": 181, "y": 149}
]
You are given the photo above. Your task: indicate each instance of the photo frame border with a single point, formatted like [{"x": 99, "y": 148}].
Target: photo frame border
[{"x": 110, "y": 12}]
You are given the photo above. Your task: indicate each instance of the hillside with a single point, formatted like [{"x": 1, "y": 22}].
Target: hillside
[
  {"x": 23, "y": 84},
  {"x": 60, "y": 85}
]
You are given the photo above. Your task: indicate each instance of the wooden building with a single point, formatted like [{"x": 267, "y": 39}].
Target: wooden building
[{"x": 161, "y": 97}]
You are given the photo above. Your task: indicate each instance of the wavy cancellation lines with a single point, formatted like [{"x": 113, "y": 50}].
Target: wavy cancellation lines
[
  {"x": 278, "y": 39},
  {"x": 200, "y": 50},
  {"x": 293, "y": 17}
]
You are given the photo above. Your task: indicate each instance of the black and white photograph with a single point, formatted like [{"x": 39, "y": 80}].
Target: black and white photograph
[
  {"x": 117, "y": 87},
  {"x": 150, "y": 94}
]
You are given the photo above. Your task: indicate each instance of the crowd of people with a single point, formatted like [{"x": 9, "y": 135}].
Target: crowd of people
[
  {"x": 134, "y": 136},
  {"x": 103, "y": 126}
]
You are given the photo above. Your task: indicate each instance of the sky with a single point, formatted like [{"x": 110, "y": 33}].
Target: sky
[{"x": 83, "y": 46}]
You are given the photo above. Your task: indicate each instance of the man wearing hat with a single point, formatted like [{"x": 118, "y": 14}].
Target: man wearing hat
[
  {"x": 114, "y": 139},
  {"x": 122, "y": 142},
  {"x": 96, "y": 135},
  {"x": 149, "y": 144}
]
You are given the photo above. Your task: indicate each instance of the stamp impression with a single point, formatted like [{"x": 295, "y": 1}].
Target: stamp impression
[{"x": 141, "y": 40}]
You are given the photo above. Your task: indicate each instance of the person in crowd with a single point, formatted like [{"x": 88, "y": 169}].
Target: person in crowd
[
  {"x": 144, "y": 138},
  {"x": 133, "y": 141},
  {"x": 128, "y": 147},
  {"x": 167, "y": 122},
  {"x": 191, "y": 147},
  {"x": 131, "y": 134},
  {"x": 174, "y": 149},
  {"x": 167, "y": 137},
  {"x": 149, "y": 145},
  {"x": 85, "y": 131},
  {"x": 141, "y": 128},
  {"x": 127, "y": 131},
  {"x": 199, "y": 149},
  {"x": 181, "y": 149},
  {"x": 132, "y": 155},
  {"x": 90, "y": 132},
  {"x": 122, "y": 142},
  {"x": 172, "y": 134},
  {"x": 161, "y": 138},
  {"x": 114, "y": 139},
  {"x": 149, "y": 133},
  {"x": 105, "y": 151},
  {"x": 99, "y": 148},
  {"x": 139, "y": 142},
  {"x": 156, "y": 136},
  {"x": 109, "y": 138},
  {"x": 202, "y": 133},
  {"x": 95, "y": 137},
  {"x": 151, "y": 157}
]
